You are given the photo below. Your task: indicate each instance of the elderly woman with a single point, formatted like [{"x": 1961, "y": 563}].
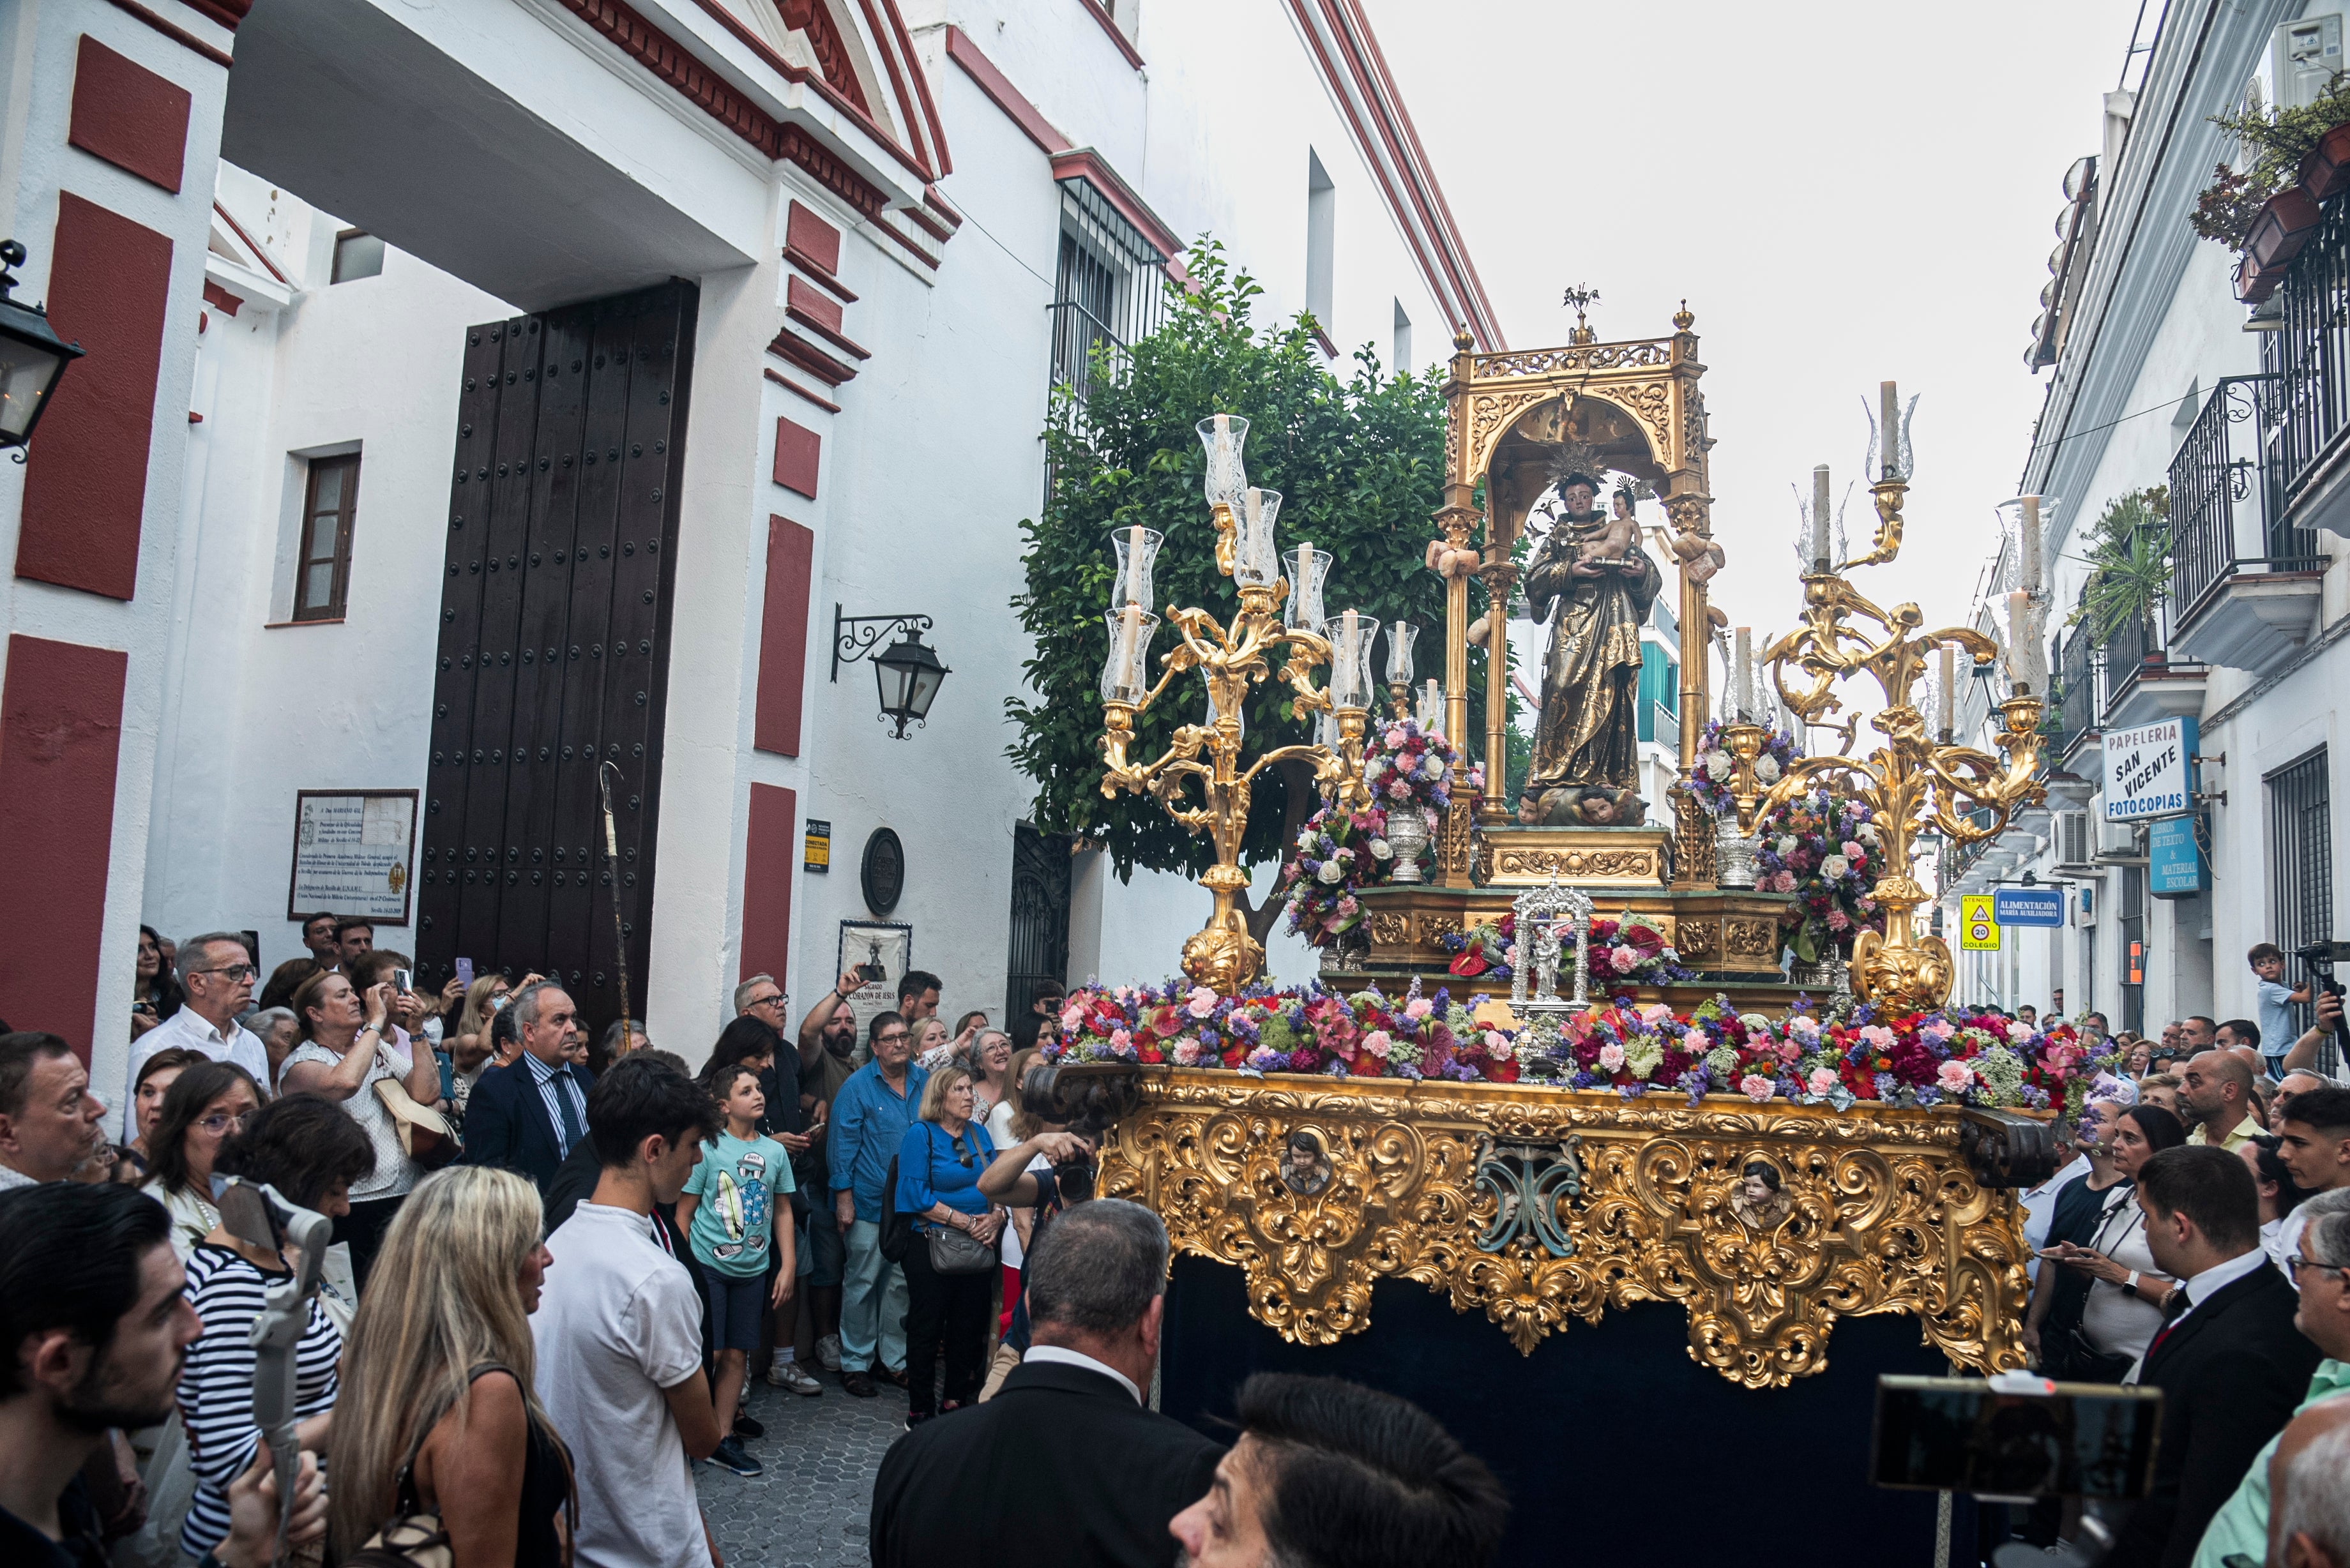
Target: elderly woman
[
  {"x": 205, "y": 1106},
  {"x": 2125, "y": 1307},
  {"x": 344, "y": 1057},
  {"x": 940, "y": 1161},
  {"x": 312, "y": 1154}
]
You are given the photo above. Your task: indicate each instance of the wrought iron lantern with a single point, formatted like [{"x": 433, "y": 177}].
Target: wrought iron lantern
[
  {"x": 32, "y": 359},
  {"x": 908, "y": 670}
]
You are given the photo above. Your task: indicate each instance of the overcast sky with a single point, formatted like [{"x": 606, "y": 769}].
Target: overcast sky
[{"x": 1844, "y": 193}]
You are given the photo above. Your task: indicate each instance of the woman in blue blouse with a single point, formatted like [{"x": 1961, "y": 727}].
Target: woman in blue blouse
[{"x": 939, "y": 1166}]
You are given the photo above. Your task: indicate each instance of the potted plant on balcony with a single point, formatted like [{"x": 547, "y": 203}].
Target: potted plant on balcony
[
  {"x": 2128, "y": 558},
  {"x": 2293, "y": 160}
]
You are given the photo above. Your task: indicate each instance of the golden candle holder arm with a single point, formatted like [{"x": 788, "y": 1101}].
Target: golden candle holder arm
[{"x": 1888, "y": 494}]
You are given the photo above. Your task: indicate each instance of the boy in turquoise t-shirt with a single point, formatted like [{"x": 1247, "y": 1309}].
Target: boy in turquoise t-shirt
[{"x": 729, "y": 1212}]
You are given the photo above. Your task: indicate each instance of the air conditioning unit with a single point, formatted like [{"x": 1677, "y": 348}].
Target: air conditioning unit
[
  {"x": 2118, "y": 839},
  {"x": 2071, "y": 839},
  {"x": 2303, "y": 58}
]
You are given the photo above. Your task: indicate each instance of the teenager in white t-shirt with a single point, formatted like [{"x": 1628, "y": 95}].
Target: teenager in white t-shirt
[{"x": 619, "y": 1330}]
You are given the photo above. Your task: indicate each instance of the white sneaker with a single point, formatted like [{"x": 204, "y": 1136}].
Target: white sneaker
[
  {"x": 827, "y": 1352},
  {"x": 790, "y": 1375}
]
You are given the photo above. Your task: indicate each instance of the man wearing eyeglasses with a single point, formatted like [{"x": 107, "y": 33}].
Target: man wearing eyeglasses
[
  {"x": 218, "y": 974},
  {"x": 2316, "y": 1265},
  {"x": 870, "y": 1117}
]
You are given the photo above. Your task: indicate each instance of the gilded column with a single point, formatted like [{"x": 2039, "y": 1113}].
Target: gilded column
[{"x": 1691, "y": 510}]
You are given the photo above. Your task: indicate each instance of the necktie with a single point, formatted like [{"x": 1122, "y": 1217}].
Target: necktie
[
  {"x": 2173, "y": 1309},
  {"x": 572, "y": 1131}
]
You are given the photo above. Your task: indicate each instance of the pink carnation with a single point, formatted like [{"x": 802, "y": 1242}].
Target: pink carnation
[
  {"x": 1494, "y": 1042},
  {"x": 1377, "y": 1043},
  {"x": 1623, "y": 960},
  {"x": 1821, "y": 1081},
  {"x": 1611, "y": 1057},
  {"x": 1071, "y": 1016},
  {"x": 1878, "y": 1035},
  {"x": 1201, "y": 1003},
  {"x": 1187, "y": 1051},
  {"x": 1395, "y": 737},
  {"x": 1119, "y": 1039},
  {"x": 1755, "y": 1087},
  {"x": 1417, "y": 1008},
  {"x": 1852, "y": 851},
  {"x": 1954, "y": 1077},
  {"x": 1656, "y": 1012}
]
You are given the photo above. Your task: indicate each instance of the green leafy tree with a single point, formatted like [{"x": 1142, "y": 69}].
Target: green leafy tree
[{"x": 1359, "y": 465}]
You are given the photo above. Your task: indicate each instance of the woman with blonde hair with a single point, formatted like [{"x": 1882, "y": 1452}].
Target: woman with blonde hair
[
  {"x": 438, "y": 1408},
  {"x": 940, "y": 1161}
]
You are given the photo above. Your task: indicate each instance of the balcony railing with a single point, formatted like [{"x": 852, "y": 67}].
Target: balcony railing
[
  {"x": 2309, "y": 352},
  {"x": 2227, "y": 512},
  {"x": 2136, "y": 643},
  {"x": 2075, "y": 709}
]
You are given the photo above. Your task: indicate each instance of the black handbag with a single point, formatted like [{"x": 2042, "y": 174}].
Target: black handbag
[{"x": 897, "y": 1229}]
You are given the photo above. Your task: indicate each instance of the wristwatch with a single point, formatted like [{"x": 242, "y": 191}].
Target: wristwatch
[{"x": 2130, "y": 1284}]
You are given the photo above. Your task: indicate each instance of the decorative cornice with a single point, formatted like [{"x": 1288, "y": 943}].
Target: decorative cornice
[
  {"x": 179, "y": 36},
  {"x": 1109, "y": 23},
  {"x": 1086, "y": 164},
  {"x": 1339, "y": 37},
  {"x": 1002, "y": 94},
  {"x": 796, "y": 350}
]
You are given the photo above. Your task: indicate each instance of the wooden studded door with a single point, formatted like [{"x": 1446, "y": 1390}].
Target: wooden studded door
[{"x": 554, "y": 645}]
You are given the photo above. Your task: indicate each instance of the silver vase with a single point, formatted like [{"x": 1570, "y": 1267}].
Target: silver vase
[
  {"x": 1816, "y": 977},
  {"x": 1733, "y": 854},
  {"x": 1348, "y": 952},
  {"x": 1408, "y": 837}
]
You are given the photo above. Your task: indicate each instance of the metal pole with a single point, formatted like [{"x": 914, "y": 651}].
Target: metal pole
[{"x": 605, "y": 774}]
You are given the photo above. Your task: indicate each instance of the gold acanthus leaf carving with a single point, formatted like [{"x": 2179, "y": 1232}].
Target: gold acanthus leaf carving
[
  {"x": 1490, "y": 414},
  {"x": 1391, "y": 930},
  {"x": 1879, "y": 1213},
  {"x": 1651, "y": 403},
  {"x": 1433, "y": 929},
  {"x": 1617, "y": 863},
  {"x": 1752, "y": 939},
  {"x": 1698, "y": 938}
]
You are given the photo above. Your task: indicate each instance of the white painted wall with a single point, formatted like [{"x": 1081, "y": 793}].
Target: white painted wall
[{"x": 926, "y": 474}]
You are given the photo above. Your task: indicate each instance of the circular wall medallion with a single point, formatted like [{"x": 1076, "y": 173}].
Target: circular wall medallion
[{"x": 882, "y": 874}]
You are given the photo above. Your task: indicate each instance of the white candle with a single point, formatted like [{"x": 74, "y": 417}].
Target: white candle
[
  {"x": 1742, "y": 676},
  {"x": 1888, "y": 452},
  {"x": 1350, "y": 661},
  {"x": 2018, "y": 634},
  {"x": 1950, "y": 690},
  {"x": 1134, "y": 565},
  {"x": 1820, "y": 518},
  {"x": 1223, "y": 429},
  {"x": 1304, "y": 581},
  {"x": 1130, "y": 641},
  {"x": 2031, "y": 533}
]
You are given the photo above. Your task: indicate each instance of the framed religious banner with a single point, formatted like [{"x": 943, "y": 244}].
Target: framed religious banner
[
  {"x": 352, "y": 854},
  {"x": 879, "y": 952}
]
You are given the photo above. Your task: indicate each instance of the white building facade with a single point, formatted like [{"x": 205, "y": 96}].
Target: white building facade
[
  {"x": 2162, "y": 376},
  {"x": 538, "y": 382}
]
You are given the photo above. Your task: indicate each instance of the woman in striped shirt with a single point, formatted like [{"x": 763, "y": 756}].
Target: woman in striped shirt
[{"x": 311, "y": 1153}]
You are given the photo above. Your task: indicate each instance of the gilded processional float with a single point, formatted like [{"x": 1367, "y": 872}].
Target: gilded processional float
[{"x": 1552, "y": 1068}]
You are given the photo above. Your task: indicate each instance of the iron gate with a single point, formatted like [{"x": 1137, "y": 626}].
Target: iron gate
[
  {"x": 2301, "y": 835},
  {"x": 554, "y": 648},
  {"x": 1040, "y": 918}
]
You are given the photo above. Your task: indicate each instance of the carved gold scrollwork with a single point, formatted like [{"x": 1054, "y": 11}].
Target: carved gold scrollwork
[
  {"x": 1391, "y": 930},
  {"x": 1490, "y": 414},
  {"x": 1700, "y": 939},
  {"x": 1751, "y": 937},
  {"x": 1767, "y": 1224},
  {"x": 1453, "y": 847},
  {"x": 1433, "y": 929},
  {"x": 1650, "y": 403}
]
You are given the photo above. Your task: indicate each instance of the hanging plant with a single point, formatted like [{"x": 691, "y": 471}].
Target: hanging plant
[
  {"x": 2128, "y": 558},
  {"x": 2275, "y": 142}
]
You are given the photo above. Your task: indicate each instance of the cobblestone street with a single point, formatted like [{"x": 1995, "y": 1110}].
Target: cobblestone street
[{"x": 808, "y": 1507}]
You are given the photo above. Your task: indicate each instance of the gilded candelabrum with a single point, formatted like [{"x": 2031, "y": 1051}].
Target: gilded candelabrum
[
  {"x": 1229, "y": 658},
  {"x": 1912, "y": 782}
]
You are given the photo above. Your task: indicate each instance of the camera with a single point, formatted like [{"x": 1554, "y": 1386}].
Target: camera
[
  {"x": 1088, "y": 1098},
  {"x": 2319, "y": 958}
]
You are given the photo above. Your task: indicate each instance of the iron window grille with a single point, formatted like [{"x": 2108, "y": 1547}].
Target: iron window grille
[
  {"x": 1108, "y": 293},
  {"x": 2300, "y": 848}
]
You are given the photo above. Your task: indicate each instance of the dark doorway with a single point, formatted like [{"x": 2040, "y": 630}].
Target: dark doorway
[
  {"x": 554, "y": 648},
  {"x": 1040, "y": 919}
]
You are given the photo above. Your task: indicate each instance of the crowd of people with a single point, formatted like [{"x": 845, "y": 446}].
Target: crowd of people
[
  {"x": 556, "y": 1266},
  {"x": 2196, "y": 1242}
]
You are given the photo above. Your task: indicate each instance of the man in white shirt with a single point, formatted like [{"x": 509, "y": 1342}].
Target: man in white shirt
[
  {"x": 619, "y": 1330},
  {"x": 2314, "y": 1143},
  {"x": 218, "y": 974}
]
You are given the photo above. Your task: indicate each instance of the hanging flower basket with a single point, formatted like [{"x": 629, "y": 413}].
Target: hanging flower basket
[{"x": 2283, "y": 227}]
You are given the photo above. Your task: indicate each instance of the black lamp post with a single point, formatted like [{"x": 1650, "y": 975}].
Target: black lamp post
[
  {"x": 908, "y": 672},
  {"x": 31, "y": 357}
]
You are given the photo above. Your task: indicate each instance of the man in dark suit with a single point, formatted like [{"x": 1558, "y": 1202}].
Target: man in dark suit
[
  {"x": 1064, "y": 1468},
  {"x": 530, "y": 1114},
  {"x": 2229, "y": 1361}
]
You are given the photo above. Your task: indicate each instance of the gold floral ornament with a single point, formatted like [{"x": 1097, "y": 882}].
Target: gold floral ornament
[{"x": 1318, "y": 1189}]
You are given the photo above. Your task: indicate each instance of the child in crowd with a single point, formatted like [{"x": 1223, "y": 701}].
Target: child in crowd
[
  {"x": 734, "y": 1208},
  {"x": 2277, "y": 1001}
]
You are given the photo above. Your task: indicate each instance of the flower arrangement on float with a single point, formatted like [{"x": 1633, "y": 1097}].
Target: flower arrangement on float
[
  {"x": 1950, "y": 1058},
  {"x": 1820, "y": 845},
  {"x": 1340, "y": 852},
  {"x": 1624, "y": 951}
]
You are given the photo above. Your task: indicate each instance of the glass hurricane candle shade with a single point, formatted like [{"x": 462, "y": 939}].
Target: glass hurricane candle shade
[
  {"x": 1349, "y": 633},
  {"x": 1138, "y": 552},
  {"x": 1126, "y": 673},
  {"x": 1399, "y": 641},
  {"x": 1302, "y": 611},
  {"x": 1256, "y": 562},
  {"x": 1239, "y": 717},
  {"x": 1431, "y": 708},
  {"x": 1224, "y": 435}
]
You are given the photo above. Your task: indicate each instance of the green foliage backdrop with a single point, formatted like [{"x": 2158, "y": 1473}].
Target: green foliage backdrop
[{"x": 1359, "y": 465}]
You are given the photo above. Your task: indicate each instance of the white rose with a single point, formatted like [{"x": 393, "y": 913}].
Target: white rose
[
  {"x": 1833, "y": 867},
  {"x": 1379, "y": 850},
  {"x": 1331, "y": 871},
  {"x": 1786, "y": 845},
  {"x": 1718, "y": 765},
  {"x": 1865, "y": 832},
  {"x": 1767, "y": 769}
]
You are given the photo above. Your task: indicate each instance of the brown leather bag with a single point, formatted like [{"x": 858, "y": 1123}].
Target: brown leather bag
[{"x": 426, "y": 1135}]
